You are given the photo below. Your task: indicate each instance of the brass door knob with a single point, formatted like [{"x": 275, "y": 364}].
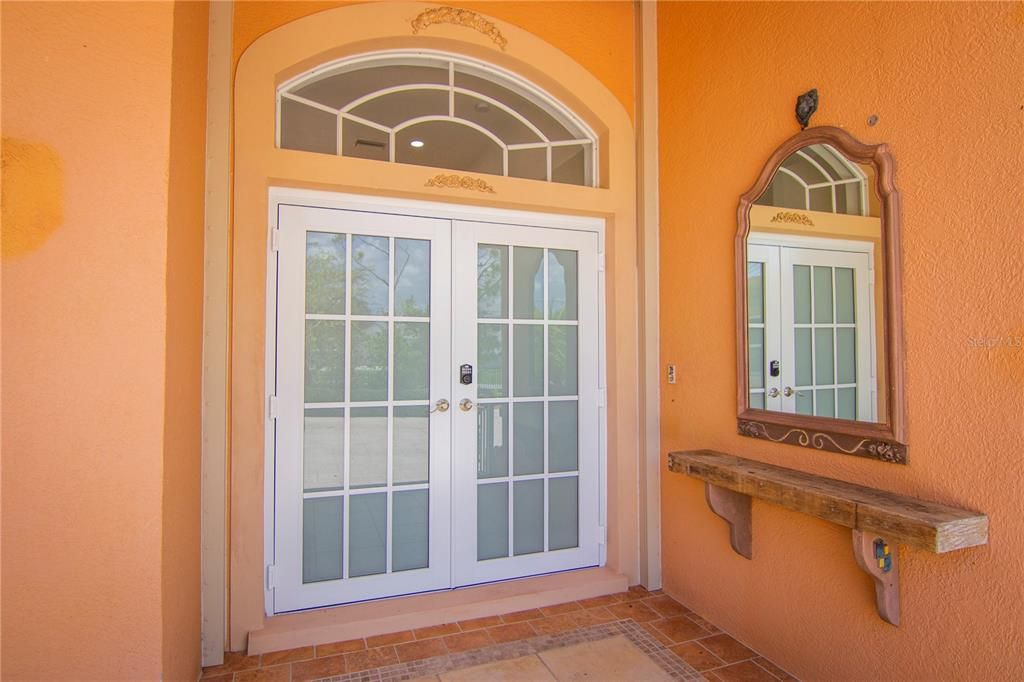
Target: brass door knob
[
  {"x": 465, "y": 404},
  {"x": 440, "y": 406},
  {"x": 773, "y": 393}
]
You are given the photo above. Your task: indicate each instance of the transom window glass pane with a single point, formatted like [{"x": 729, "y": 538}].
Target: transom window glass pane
[
  {"x": 817, "y": 178},
  {"x": 443, "y": 112}
]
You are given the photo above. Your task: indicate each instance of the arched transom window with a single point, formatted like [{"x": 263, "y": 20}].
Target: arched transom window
[
  {"x": 818, "y": 178},
  {"x": 433, "y": 109}
]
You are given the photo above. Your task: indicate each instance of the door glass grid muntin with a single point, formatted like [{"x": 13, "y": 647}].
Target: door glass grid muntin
[
  {"x": 812, "y": 393},
  {"x": 509, "y": 320},
  {"x": 389, "y": 487}
]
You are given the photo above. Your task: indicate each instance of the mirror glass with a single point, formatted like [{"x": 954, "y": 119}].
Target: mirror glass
[{"x": 815, "y": 290}]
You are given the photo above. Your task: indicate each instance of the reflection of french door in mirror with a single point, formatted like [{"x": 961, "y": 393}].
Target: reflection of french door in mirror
[
  {"x": 810, "y": 331},
  {"x": 391, "y": 475}
]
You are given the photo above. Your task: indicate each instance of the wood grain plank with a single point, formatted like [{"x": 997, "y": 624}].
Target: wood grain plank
[{"x": 918, "y": 523}]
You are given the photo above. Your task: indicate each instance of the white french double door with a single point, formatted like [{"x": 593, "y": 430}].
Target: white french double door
[
  {"x": 436, "y": 404},
  {"x": 810, "y": 327}
]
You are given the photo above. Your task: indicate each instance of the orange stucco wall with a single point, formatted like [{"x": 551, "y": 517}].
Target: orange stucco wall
[
  {"x": 180, "y": 593},
  {"x": 102, "y": 232},
  {"x": 945, "y": 81},
  {"x": 599, "y": 35}
]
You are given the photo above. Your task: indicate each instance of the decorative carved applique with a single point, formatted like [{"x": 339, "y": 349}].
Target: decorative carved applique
[
  {"x": 850, "y": 445},
  {"x": 791, "y": 217},
  {"x": 454, "y": 181},
  {"x": 459, "y": 17}
]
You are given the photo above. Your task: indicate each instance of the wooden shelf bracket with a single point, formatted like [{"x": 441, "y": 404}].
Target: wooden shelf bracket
[
  {"x": 734, "y": 507},
  {"x": 880, "y": 520},
  {"x": 878, "y": 557}
]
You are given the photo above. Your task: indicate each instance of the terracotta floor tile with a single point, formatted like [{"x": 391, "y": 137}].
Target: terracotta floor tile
[
  {"x": 277, "y": 673},
  {"x": 636, "y": 610},
  {"x": 511, "y": 633},
  {"x": 747, "y": 671},
  {"x": 595, "y": 602},
  {"x": 342, "y": 647},
  {"x": 286, "y": 656},
  {"x": 697, "y": 656},
  {"x": 233, "y": 662},
  {"x": 554, "y": 624},
  {"x": 703, "y": 622},
  {"x": 615, "y": 658},
  {"x": 681, "y": 629},
  {"x": 727, "y": 648},
  {"x": 651, "y": 627},
  {"x": 523, "y": 669},
  {"x": 390, "y": 638},
  {"x": 477, "y": 639},
  {"x": 774, "y": 669},
  {"x": 371, "y": 658},
  {"x": 226, "y": 677},
  {"x": 317, "y": 668},
  {"x": 478, "y": 623},
  {"x": 636, "y": 592},
  {"x": 520, "y": 616},
  {"x": 418, "y": 650},
  {"x": 592, "y": 617},
  {"x": 559, "y": 609},
  {"x": 667, "y": 606},
  {"x": 436, "y": 631}
]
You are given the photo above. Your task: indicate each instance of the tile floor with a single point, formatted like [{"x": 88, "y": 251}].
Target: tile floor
[{"x": 634, "y": 635}]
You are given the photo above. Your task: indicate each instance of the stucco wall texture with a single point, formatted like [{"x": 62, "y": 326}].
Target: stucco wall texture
[
  {"x": 599, "y": 35},
  {"x": 101, "y": 342},
  {"x": 946, "y": 82}
]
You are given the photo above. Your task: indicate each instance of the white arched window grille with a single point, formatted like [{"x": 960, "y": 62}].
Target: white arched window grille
[
  {"x": 818, "y": 178},
  {"x": 438, "y": 110}
]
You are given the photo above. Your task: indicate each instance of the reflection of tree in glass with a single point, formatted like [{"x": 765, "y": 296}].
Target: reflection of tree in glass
[
  {"x": 369, "y": 275},
  {"x": 562, "y": 360},
  {"x": 325, "y": 273},
  {"x": 325, "y": 361},
  {"x": 412, "y": 277},
  {"x": 369, "y": 360},
  {"x": 492, "y": 277}
]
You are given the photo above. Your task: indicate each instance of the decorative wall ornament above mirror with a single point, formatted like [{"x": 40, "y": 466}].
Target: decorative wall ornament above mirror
[{"x": 818, "y": 299}]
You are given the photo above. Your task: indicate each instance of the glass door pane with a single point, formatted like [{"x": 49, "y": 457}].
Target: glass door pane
[
  {"x": 363, "y": 315},
  {"x": 533, "y": 425}
]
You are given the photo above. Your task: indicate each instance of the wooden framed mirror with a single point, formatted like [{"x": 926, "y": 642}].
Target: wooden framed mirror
[{"x": 818, "y": 299}]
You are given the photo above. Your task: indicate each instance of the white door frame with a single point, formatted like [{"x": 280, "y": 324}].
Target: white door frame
[{"x": 279, "y": 196}]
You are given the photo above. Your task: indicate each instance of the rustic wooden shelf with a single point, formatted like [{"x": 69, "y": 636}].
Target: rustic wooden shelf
[{"x": 880, "y": 520}]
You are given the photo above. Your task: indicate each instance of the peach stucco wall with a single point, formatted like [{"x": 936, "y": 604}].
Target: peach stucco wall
[
  {"x": 598, "y": 35},
  {"x": 180, "y": 590},
  {"x": 945, "y": 82},
  {"x": 102, "y": 262}
]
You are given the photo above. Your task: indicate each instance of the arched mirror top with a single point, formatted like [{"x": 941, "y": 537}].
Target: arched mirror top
[{"x": 436, "y": 109}]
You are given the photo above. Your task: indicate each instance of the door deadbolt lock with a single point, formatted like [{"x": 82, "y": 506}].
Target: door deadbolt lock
[{"x": 466, "y": 374}]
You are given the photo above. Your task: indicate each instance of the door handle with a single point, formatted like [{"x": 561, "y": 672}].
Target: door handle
[
  {"x": 773, "y": 393},
  {"x": 789, "y": 392},
  {"x": 440, "y": 406},
  {"x": 465, "y": 404}
]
